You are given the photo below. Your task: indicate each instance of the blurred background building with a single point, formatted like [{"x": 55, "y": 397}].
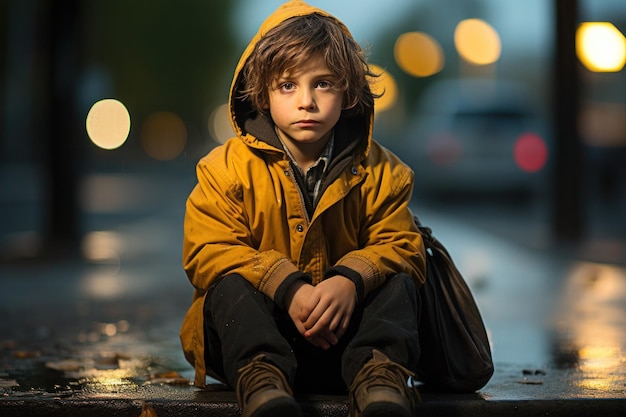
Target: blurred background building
[{"x": 95, "y": 93}]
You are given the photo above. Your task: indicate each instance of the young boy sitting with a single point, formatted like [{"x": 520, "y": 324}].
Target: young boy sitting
[{"x": 299, "y": 240}]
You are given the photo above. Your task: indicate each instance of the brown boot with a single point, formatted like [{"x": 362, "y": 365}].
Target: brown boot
[
  {"x": 263, "y": 391},
  {"x": 381, "y": 389}
]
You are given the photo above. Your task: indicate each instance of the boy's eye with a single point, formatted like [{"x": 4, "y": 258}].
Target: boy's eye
[
  {"x": 287, "y": 86},
  {"x": 324, "y": 84}
]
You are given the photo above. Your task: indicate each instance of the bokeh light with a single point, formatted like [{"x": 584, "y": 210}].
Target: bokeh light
[
  {"x": 418, "y": 54},
  {"x": 386, "y": 85},
  {"x": 601, "y": 47},
  {"x": 102, "y": 246},
  {"x": 104, "y": 284},
  {"x": 477, "y": 42},
  {"x": 163, "y": 135},
  {"x": 603, "y": 123},
  {"x": 108, "y": 124},
  {"x": 530, "y": 152},
  {"x": 220, "y": 127}
]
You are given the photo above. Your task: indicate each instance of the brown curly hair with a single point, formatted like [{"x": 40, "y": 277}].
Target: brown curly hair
[{"x": 288, "y": 45}]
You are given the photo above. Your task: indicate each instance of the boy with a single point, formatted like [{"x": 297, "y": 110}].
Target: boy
[{"x": 299, "y": 240}]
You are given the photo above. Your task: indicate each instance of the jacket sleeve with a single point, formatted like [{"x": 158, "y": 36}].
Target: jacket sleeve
[
  {"x": 389, "y": 241},
  {"x": 217, "y": 240}
]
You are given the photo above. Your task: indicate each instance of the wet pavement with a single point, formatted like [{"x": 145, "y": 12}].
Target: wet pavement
[{"x": 98, "y": 334}]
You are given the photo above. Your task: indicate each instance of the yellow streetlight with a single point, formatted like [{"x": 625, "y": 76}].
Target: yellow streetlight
[
  {"x": 477, "y": 42},
  {"x": 108, "y": 124},
  {"x": 601, "y": 47},
  {"x": 418, "y": 54}
]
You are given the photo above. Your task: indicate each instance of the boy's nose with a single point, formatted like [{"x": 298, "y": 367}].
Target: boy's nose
[{"x": 307, "y": 100}]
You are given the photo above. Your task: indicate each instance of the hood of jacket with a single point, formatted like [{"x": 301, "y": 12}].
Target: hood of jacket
[{"x": 257, "y": 130}]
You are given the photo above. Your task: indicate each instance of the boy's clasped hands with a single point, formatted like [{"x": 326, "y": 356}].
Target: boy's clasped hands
[{"x": 322, "y": 313}]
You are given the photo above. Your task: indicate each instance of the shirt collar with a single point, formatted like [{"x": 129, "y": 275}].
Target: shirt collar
[{"x": 324, "y": 157}]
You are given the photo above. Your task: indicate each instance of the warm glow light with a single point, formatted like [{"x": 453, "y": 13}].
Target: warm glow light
[
  {"x": 603, "y": 123},
  {"x": 104, "y": 285},
  {"x": 418, "y": 54},
  {"x": 591, "y": 314},
  {"x": 601, "y": 47},
  {"x": 108, "y": 124},
  {"x": 163, "y": 135},
  {"x": 477, "y": 42},
  {"x": 219, "y": 124},
  {"x": 597, "y": 364},
  {"x": 108, "y": 329},
  {"x": 386, "y": 85},
  {"x": 102, "y": 246},
  {"x": 109, "y": 381}
]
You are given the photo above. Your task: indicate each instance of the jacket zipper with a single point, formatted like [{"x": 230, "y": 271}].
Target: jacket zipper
[{"x": 292, "y": 175}]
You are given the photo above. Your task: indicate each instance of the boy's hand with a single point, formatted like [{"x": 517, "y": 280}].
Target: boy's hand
[
  {"x": 329, "y": 309},
  {"x": 296, "y": 300},
  {"x": 322, "y": 313}
]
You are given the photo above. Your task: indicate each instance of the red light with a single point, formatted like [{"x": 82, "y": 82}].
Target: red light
[{"x": 530, "y": 152}]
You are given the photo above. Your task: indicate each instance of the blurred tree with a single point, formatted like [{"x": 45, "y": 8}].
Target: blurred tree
[
  {"x": 157, "y": 55},
  {"x": 162, "y": 55}
]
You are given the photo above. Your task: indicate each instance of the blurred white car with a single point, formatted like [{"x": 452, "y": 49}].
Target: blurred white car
[{"x": 476, "y": 136}]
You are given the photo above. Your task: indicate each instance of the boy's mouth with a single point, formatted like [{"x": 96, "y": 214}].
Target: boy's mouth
[{"x": 307, "y": 123}]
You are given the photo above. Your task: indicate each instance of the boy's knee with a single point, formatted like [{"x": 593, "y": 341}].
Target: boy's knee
[
  {"x": 229, "y": 286},
  {"x": 397, "y": 286},
  {"x": 402, "y": 282}
]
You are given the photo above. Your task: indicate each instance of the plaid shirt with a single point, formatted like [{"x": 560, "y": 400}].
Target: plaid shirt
[{"x": 315, "y": 173}]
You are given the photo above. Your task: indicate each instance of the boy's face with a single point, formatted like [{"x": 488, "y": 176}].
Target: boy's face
[{"x": 305, "y": 105}]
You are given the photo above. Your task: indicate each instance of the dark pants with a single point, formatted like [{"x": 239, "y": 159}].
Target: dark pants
[{"x": 241, "y": 322}]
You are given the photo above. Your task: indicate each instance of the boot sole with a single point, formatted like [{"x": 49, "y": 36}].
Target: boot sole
[
  {"x": 279, "y": 407},
  {"x": 385, "y": 409}
]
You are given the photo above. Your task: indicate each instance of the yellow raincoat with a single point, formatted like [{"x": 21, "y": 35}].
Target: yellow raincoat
[{"x": 246, "y": 215}]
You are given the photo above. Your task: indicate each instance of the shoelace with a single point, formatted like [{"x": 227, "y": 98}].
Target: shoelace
[
  {"x": 258, "y": 375},
  {"x": 380, "y": 373}
]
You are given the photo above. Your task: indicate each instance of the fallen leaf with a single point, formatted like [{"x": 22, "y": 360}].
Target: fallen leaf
[
  {"x": 9, "y": 345},
  {"x": 26, "y": 354},
  {"x": 8, "y": 383},
  {"x": 67, "y": 365},
  {"x": 535, "y": 372},
  {"x": 169, "y": 378},
  {"x": 168, "y": 374},
  {"x": 169, "y": 381},
  {"x": 147, "y": 411}
]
